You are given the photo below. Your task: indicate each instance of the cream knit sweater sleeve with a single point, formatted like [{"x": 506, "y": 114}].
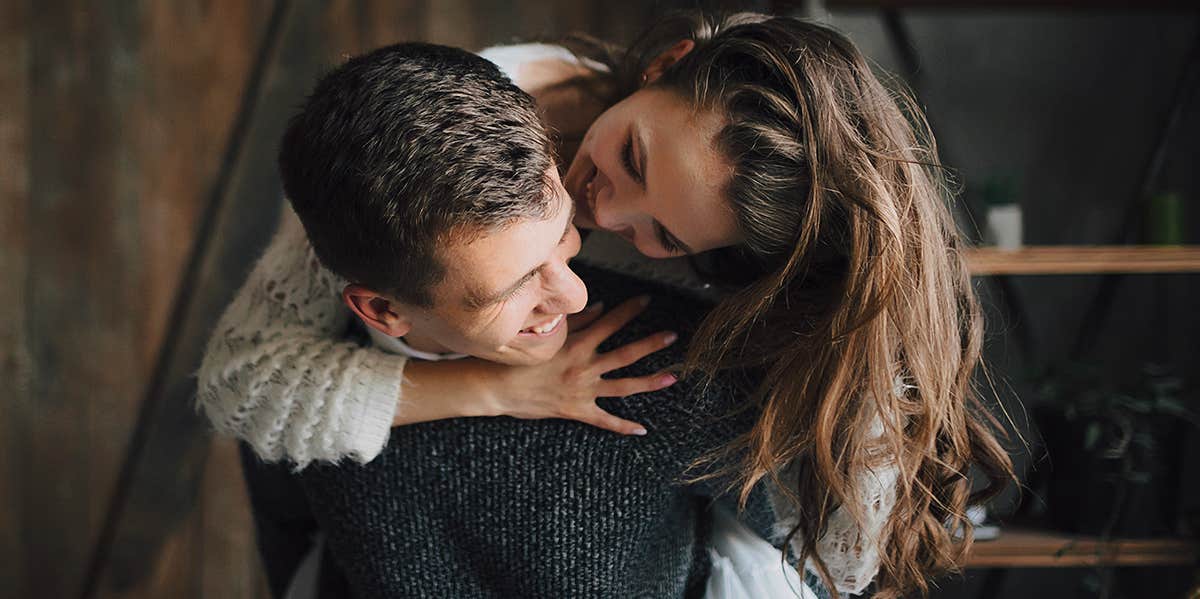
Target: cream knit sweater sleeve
[{"x": 278, "y": 372}]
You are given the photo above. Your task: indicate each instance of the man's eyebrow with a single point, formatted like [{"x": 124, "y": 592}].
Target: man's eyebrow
[{"x": 476, "y": 300}]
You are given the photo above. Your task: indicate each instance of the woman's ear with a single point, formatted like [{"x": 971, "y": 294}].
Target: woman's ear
[
  {"x": 377, "y": 311},
  {"x": 670, "y": 56}
]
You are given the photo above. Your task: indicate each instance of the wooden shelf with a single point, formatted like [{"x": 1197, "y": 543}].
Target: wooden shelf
[
  {"x": 1026, "y": 548},
  {"x": 1095, "y": 259},
  {"x": 1001, "y": 4}
]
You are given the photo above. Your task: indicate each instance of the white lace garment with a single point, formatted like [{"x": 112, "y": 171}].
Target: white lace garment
[{"x": 278, "y": 372}]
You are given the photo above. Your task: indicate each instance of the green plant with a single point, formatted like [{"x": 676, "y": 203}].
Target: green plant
[
  {"x": 1120, "y": 427},
  {"x": 1120, "y": 420}
]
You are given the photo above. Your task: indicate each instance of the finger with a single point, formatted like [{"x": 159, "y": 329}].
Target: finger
[
  {"x": 581, "y": 320},
  {"x": 628, "y": 354},
  {"x": 601, "y": 419},
  {"x": 632, "y": 386},
  {"x": 612, "y": 322}
]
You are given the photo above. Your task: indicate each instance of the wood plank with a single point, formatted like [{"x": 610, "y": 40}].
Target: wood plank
[
  {"x": 351, "y": 27},
  {"x": 15, "y": 358},
  {"x": 1058, "y": 260},
  {"x": 1026, "y": 548},
  {"x": 231, "y": 568},
  {"x": 192, "y": 62},
  {"x": 453, "y": 23},
  {"x": 82, "y": 321}
]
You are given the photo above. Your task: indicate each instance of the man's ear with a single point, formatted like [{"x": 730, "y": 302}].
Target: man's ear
[
  {"x": 377, "y": 311},
  {"x": 670, "y": 56}
]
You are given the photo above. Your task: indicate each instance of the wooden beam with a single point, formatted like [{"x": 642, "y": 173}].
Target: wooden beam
[
  {"x": 16, "y": 360},
  {"x": 81, "y": 296},
  {"x": 160, "y": 480}
]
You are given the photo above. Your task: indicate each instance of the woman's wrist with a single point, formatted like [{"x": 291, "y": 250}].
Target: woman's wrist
[
  {"x": 441, "y": 390},
  {"x": 480, "y": 385}
]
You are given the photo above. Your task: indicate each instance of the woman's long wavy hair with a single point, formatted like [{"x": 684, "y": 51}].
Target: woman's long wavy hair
[{"x": 853, "y": 297}]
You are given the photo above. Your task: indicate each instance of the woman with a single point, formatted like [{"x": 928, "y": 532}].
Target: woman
[{"x": 769, "y": 146}]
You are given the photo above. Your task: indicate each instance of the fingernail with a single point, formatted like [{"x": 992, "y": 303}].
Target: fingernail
[
  {"x": 667, "y": 379},
  {"x": 644, "y": 300},
  {"x": 669, "y": 338},
  {"x": 641, "y": 432}
]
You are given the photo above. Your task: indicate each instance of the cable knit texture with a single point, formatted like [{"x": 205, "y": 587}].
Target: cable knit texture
[{"x": 279, "y": 373}]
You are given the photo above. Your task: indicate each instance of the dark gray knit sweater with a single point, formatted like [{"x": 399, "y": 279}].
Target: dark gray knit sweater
[{"x": 500, "y": 507}]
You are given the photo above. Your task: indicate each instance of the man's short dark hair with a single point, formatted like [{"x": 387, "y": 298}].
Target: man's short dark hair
[{"x": 398, "y": 150}]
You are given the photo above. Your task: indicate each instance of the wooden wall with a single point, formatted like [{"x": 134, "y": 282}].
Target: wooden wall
[{"x": 137, "y": 182}]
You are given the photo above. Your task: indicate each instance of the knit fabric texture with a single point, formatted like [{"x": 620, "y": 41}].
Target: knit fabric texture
[
  {"x": 500, "y": 507},
  {"x": 278, "y": 372}
]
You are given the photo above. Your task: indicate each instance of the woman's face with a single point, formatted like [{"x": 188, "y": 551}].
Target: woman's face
[{"x": 648, "y": 171}]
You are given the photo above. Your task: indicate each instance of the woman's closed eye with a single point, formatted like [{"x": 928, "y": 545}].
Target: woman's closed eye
[
  {"x": 628, "y": 162},
  {"x": 666, "y": 239}
]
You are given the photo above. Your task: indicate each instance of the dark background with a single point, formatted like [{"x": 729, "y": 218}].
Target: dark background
[{"x": 137, "y": 183}]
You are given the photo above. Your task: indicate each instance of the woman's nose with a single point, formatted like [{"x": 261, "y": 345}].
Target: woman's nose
[{"x": 611, "y": 209}]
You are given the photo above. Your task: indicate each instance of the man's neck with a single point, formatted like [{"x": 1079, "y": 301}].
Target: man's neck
[
  {"x": 424, "y": 343},
  {"x": 402, "y": 346}
]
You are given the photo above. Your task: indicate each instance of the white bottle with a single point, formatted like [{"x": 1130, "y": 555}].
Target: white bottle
[{"x": 1003, "y": 226}]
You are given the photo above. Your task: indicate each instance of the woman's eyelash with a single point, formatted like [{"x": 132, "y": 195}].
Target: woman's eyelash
[
  {"x": 665, "y": 239},
  {"x": 627, "y": 158}
]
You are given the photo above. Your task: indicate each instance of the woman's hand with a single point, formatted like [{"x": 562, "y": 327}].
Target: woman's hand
[
  {"x": 567, "y": 386},
  {"x": 564, "y": 387}
]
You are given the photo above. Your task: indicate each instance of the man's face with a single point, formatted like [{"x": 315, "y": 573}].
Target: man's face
[{"x": 506, "y": 293}]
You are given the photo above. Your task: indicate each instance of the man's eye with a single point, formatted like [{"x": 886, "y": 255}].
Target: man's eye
[{"x": 518, "y": 288}]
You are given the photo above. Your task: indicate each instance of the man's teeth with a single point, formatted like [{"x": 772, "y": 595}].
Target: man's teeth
[{"x": 549, "y": 326}]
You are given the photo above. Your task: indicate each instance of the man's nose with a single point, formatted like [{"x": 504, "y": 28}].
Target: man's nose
[{"x": 566, "y": 293}]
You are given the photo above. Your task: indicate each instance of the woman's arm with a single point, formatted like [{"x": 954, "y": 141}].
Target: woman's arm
[{"x": 278, "y": 372}]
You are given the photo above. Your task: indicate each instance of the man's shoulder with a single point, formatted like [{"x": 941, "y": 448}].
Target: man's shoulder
[{"x": 697, "y": 400}]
